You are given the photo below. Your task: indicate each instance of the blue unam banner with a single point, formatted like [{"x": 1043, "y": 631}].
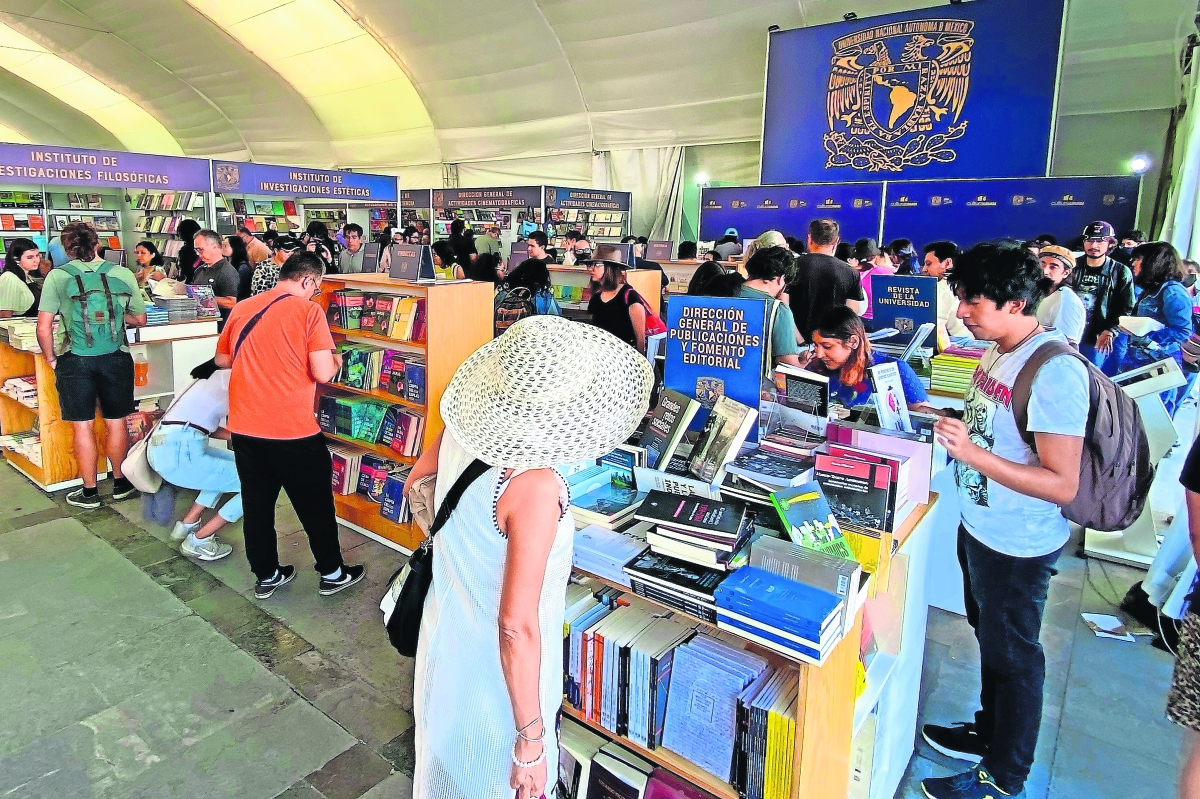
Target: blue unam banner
[
  {"x": 753, "y": 210},
  {"x": 957, "y": 91},
  {"x": 715, "y": 347},
  {"x": 971, "y": 211}
]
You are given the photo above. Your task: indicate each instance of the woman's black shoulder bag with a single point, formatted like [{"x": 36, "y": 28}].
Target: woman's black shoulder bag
[{"x": 404, "y": 601}]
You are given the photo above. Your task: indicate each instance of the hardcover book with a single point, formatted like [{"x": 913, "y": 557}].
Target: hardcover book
[
  {"x": 666, "y": 427},
  {"x": 724, "y": 433},
  {"x": 809, "y": 520}
]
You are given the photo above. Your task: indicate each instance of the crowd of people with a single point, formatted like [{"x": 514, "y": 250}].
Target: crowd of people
[{"x": 548, "y": 391}]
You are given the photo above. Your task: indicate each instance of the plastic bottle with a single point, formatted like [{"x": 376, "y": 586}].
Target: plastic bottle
[{"x": 141, "y": 370}]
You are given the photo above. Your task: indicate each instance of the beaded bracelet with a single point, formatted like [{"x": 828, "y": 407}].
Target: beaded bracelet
[{"x": 523, "y": 764}]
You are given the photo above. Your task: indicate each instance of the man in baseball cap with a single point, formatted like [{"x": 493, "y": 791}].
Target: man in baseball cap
[
  {"x": 1106, "y": 288},
  {"x": 1061, "y": 309}
]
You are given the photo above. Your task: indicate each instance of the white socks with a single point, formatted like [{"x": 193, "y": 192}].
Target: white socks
[{"x": 335, "y": 576}]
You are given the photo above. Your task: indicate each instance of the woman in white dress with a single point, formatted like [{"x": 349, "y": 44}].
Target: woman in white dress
[{"x": 489, "y": 659}]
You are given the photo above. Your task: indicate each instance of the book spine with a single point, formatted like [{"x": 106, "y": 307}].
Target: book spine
[{"x": 702, "y": 612}]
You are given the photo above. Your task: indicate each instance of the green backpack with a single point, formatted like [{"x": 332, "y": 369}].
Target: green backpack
[{"x": 96, "y": 317}]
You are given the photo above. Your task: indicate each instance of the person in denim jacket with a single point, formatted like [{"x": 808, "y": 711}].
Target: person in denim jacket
[{"x": 1157, "y": 272}]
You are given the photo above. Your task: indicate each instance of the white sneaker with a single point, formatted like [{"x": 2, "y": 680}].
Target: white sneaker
[
  {"x": 181, "y": 531},
  {"x": 206, "y": 549}
]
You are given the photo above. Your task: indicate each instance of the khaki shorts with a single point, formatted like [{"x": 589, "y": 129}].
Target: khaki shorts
[{"x": 1183, "y": 700}]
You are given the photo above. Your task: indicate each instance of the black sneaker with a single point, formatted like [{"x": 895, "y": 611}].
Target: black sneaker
[
  {"x": 973, "y": 784},
  {"x": 350, "y": 576},
  {"x": 123, "y": 489},
  {"x": 264, "y": 588},
  {"x": 81, "y": 500},
  {"x": 959, "y": 741}
]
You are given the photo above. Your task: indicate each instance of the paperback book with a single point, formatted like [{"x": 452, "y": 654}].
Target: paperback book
[
  {"x": 726, "y": 429},
  {"x": 666, "y": 427},
  {"x": 810, "y": 521}
]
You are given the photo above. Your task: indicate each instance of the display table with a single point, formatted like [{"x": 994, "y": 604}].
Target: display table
[
  {"x": 172, "y": 351},
  {"x": 830, "y": 717}
]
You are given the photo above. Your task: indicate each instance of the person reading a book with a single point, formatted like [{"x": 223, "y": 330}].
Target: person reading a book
[
  {"x": 214, "y": 271},
  {"x": 844, "y": 354},
  {"x": 1062, "y": 309},
  {"x": 489, "y": 663},
  {"x": 178, "y": 450},
  {"x": 1157, "y": 272},
  {"x": 1011, "y": 530}
]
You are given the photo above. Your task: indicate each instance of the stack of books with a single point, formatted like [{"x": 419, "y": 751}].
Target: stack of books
[
  {"x": 179, "y": 308},
  {"x": 794, "y": 618},
  {"x": 602, "y": 495},
  {"x": 23, "y": 389},
  {"x": 605, "y": 552},
  {"x": 953, "y": 369},
  {"x": 372, "y": 421},
  {"x": 698, "y": 530},
  {"x": 676, "y": 583},
  {"x": 373, "y": 473},
  {"x": 28, "y": 444},
  {"x": 403, "y": 375},
  {"x": 394, "y": 505},
  {"x": 20, "y": 333},
  {"x": 156, "y": 315}
]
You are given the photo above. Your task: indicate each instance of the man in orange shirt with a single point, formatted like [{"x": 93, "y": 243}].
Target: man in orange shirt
[{"x": 276, "y": 441}]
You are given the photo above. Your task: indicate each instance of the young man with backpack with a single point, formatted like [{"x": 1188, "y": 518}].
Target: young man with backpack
[
  {"x": 1012, "y": 528},
  {"x": 97, "y": 301}
]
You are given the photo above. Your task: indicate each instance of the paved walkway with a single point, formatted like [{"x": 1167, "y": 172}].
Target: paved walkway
[{"x": 127, "y": 670}]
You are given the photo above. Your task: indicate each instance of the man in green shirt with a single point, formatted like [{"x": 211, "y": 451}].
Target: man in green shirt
[
  {"x": 489, "y": 242},
  {"x": 97, "y": 301},
  {"x": 768, "y": 272}
]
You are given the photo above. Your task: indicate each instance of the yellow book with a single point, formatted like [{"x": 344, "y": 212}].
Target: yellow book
[
  {"x": 789, "y": 750},
  {"x": 402, "y": 325}
]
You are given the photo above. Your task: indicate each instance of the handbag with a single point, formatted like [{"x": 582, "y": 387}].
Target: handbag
[
  {"x": 136, "y": 466},
  {"x": 404, "y": 601}
]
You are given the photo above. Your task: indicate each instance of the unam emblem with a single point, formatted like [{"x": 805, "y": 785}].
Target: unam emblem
[
  {"x": 709, "y": 390},
  {"x": 227, "y": 177},
  {"x": 886, "y": 114}
]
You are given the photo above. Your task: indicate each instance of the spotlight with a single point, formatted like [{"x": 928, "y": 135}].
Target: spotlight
[
  {"x": 772, "y": 28},
  {"x": 850, "y": 17},
  {"x": 701, "y": 178},
  {"x": 1140, "y": 164}
]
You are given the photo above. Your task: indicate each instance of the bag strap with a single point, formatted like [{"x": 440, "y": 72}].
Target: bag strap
[
  {"x": 1023, "y": 385},
  {"x": 254, "y": 320},
  {"x": 472, "y": 473}
]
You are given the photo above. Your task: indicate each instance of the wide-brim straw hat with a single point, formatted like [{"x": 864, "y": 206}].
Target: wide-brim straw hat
[{"x": 548, "y": 391}]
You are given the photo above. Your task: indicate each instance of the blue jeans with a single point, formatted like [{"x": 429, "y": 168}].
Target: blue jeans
[
  {"x": 1107, "y": 362},
  {"x": 182, "y": 457},
  {"x": 1005, "y": 598}
]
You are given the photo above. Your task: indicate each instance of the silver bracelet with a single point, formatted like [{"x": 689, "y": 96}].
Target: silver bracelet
[{"x": 521, "y": 763}]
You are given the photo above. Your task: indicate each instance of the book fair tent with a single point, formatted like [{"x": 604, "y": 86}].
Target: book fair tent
[{"x": 607, "y": 94}]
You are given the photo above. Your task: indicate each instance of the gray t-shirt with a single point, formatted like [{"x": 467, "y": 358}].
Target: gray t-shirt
[{"x": 223, "y": 279}]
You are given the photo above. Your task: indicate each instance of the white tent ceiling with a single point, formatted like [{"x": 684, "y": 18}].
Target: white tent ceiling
[{"x": 392, "y": 83}]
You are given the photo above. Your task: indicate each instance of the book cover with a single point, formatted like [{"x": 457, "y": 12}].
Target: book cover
[
  {"x": 414, "y": 382},
  {"x": 690, "y": 579},
  {"x": 666, "y": 427},
  {"x": 289, "y": 208},
  {"x": 857, "y": 491},
  {"x": 608, "y": 501},
  {"x": 701, "y": 514},
  {"x": 397, "y": 384},
  {"x": 793, "y": 608},
  {"x": 725, "y": 431},
  {"x": 810, "y": 521},
  {"x": 890, "y": 402},
  {"x": 716, "y": 347},
  {"x": 802, "y": 390},
  {"x": 904, "y": 302},
  {"x": 771, "y": 469},
  {"x": 900, "y": 469},
  {"x": 393, "y": 501}
]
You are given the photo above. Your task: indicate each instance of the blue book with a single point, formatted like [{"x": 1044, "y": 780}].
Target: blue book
[
  {"x": 392, "y": 507},
  {"x": 795, "y": 608},
  {"x": 716, "y": 347},
  {"x": 414, "y": 378},
  {"x": 904, "y": 302}
]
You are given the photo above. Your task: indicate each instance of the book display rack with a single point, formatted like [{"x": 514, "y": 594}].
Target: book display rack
[
  {"x": 22, "y": 215},
  {"x": 454, "y": 319}
]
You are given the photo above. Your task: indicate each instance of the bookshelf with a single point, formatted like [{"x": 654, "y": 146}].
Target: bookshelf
[
  {"x": 458, "y": 322},
  {"x": 829, "y": 715},
  {"x": 23, "y": 216},
  {"x": 647, "y": 282}
]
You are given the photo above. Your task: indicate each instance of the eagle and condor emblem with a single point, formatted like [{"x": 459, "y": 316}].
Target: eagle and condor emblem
[{"x": 897, "y": 93}]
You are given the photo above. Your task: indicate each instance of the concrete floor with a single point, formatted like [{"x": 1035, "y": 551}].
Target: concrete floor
[{"x": 129, "y": 671}]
